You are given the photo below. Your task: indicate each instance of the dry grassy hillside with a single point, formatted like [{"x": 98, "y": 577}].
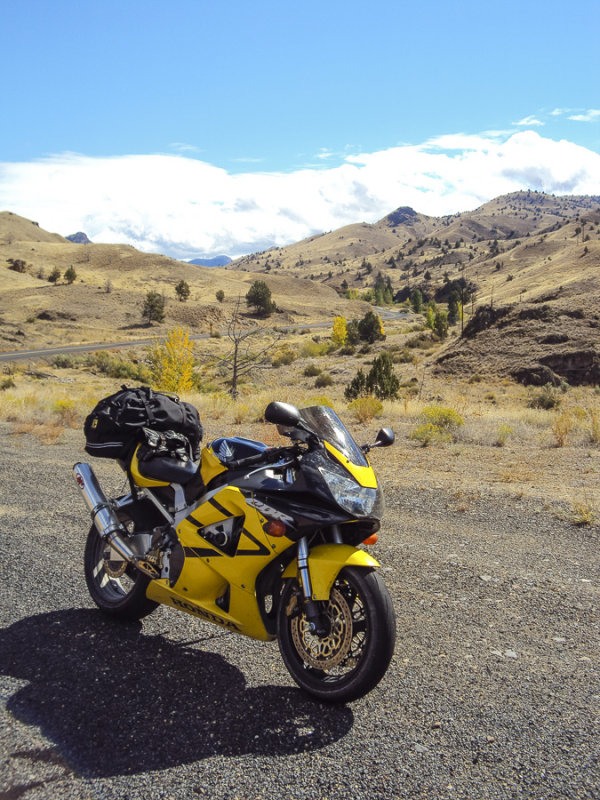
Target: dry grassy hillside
[
  {"x": 14, "y": 228},
  {"x": 524, "y": 251},
  {"x": 521, "y": 249},
  {"x": 522, "y": 242},
  {"x": 105, "y": 301}
]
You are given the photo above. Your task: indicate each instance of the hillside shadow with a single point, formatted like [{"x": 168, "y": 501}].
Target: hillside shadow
[{"x": 116, "y": 701}]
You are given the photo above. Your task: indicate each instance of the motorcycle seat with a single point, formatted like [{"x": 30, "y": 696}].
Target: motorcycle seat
[{"x": 171, "y": 470}]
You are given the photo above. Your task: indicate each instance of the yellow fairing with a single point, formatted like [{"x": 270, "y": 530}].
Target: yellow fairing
[
  {"x": 139, "y": 479},
  {"x": 324, "y": 563},
  {"x": 364, "y": 475},
  {"x": 210, "y": 466},
  {"x": 209, "y": 574}
]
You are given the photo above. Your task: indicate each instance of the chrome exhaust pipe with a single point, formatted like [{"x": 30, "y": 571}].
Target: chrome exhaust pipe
[{"x": 105, "y": 518}]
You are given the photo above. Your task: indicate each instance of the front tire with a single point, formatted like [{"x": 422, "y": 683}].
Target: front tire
[
  {"x": 117, "y": 588},
  {"x": 354, "y": 656}
]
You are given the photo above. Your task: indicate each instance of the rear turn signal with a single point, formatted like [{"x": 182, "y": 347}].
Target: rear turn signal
[
  {"x": 372, "y": 539},
  {"x": 275, "y": 527}
]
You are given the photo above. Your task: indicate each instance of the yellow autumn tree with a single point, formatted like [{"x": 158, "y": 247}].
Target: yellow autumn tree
[
  {"x": 339, "y": 332},
  {"x": 172, "y": 362}
]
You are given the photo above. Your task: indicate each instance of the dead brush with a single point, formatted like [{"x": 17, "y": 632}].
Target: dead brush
[
  {"x": 583, "y": 513},
  {"x": 561, "y": 427},
  {"x": 594, "y": 415}
]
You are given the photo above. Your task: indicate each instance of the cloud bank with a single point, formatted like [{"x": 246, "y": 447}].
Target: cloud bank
[{"x": 184, "y": 207}]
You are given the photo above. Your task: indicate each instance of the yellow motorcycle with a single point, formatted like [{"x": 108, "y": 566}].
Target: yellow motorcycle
[{"x": 264, "y": 541}]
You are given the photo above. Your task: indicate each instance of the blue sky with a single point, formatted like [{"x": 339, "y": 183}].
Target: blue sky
[{"x": 196, "y": 127}]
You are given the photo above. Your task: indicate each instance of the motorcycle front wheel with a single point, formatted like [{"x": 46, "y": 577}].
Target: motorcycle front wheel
[
  {"x": 353, "y": 657},
  {"x": 117, "y": 588}
]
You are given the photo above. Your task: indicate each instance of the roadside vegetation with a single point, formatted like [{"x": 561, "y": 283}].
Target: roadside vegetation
[{"x": 380, "y": 382}]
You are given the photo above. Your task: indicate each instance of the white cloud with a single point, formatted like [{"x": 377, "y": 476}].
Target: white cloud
[
  {"x": 185, "y": 207},
  {"x": 527, "y": 122},
  {"x": 588, "y": 116}
]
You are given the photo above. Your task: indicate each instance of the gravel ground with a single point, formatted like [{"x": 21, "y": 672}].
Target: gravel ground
[{"x": 494, "y": 689}]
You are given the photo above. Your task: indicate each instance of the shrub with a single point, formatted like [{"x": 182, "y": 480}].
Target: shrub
[
  {"x": 284, "y": 357},
  {"x": 583, "y": 512},
  {"x": 54, "y": 275},
  {"x": 311, "y": 371},
  {"x": 423, "y": 341},
  {"x": 365, "y": 408},
  {"x": 348, "y": 350},
  {"x": 240, "y": 413},
  {"x": 220, "y": 295},
  {"x": 547, "y": 398},
  {"x": 439, "y": 425},
  {"x": 324, "y": 379},
  {"x": 403, "y": 356},
  {"x": 65, "y": 411},
  {"x": 116, "y": 367},
  {"x": 64, "y": 361},
  {"x": 504, "y": 431},
  {"x": 312, "y": 349},
  {"x": 427, "y": 433},
  {"x": 6, "y": 383},
  {"x": 444, "y": 418},
  {"x": 561, "y": 427}
]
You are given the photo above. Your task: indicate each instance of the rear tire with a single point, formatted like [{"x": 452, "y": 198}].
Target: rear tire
[
  {"x": 354, "y": 656},
  {"x": 123, "y": 597}
]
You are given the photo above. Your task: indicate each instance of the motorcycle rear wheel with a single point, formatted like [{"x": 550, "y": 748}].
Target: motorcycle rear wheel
[
  {"x": 354, "y": 656},
  {"x": 123, "y": 595}
]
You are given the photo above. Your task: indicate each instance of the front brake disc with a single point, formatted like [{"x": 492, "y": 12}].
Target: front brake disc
[{"x": 328, "y": 651}]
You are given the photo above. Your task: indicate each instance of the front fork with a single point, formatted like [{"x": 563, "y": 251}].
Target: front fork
[{"x": 318, "y": 622}]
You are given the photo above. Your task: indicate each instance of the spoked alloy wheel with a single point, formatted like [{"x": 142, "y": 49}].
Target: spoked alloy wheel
[
  {"x": 117, "y": 588},
  {"x": 354, "y": 655}
]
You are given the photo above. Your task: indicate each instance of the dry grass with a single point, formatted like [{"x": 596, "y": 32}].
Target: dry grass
[{"x": 528, "y": 466}]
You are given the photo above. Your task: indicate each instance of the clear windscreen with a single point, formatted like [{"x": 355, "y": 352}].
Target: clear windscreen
[{"x": 323, "y": 421}]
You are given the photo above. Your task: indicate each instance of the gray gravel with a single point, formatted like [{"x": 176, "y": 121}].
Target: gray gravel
[{"x": 494, "y": 690}]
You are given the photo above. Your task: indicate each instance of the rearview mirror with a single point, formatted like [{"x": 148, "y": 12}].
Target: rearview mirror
[
  {"x": 282, "y": 414},
  {"x": 385, "y": 438}
]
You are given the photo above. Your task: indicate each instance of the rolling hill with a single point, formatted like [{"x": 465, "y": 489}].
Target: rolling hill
[
  {"x": 525, "y": 251},
  {"x": 531, "y": 259},
  {"x": 105, "y": 301}
]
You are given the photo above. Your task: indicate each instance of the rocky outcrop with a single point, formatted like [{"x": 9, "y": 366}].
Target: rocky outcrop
[{"x": 534, "y": 344}]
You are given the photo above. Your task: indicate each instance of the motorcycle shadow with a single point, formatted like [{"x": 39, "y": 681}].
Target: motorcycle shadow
[{"x": 117, "y": 701}]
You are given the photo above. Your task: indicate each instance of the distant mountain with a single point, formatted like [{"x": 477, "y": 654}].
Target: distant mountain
[
  {"x": 79, "y": 238},
  {"x": 217, "y": 261}
]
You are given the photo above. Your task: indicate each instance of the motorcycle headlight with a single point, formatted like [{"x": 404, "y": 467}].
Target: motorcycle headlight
[{"x": 357, "y": 500}]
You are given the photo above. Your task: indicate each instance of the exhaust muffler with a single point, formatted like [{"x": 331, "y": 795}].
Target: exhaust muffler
[{"x": 105, "y": 518}]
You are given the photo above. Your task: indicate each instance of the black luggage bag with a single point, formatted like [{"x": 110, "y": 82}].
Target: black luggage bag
[{"x": 116, "y": 424}]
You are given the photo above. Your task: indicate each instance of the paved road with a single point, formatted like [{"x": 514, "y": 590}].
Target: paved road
[
  {"x": 493, "y": 692},
  {"x": 48, "y": 352}
]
